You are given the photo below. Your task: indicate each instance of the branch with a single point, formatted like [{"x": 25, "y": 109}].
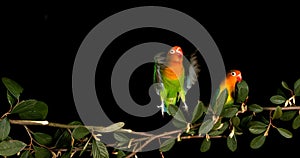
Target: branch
[
  {"x": 43, "y": 123},
  {"x": 283, "y": 108},
  {"x": 147, "y": 137},
  {"x": 198, "y": 137}
]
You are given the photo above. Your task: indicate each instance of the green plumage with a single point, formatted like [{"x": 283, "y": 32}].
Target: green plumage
[
  {"x": 172, "y": 89},
  {"x": 170, "y": 79}
]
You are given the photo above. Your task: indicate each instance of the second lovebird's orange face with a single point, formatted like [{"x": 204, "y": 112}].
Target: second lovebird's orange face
[{"x": 234, "y": 76}]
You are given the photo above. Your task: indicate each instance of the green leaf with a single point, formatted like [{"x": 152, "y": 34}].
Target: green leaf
[
  {"x": 279, "y": 91},
  {"x": 121, "y": 137},
  {"x": 284, "y": 132},
  {"x": 242, "y": 91},
  {"x": 217, "y": 125},
  {"x": 41, "y": 152},
  {"x": 277, "y": 99},
  {"x": 296, "y": 122},
  {"x": 198, "y": 111},
  {"x": 167, "y": 145},
  {"x": 277, "y": 113},
  {"x": 288, "y": 115},
  {"x": 121, "y": 154},
  {"x": 206, "y": 126},
  {"x": 255, "y": 108},
  {"x": 297, "y": 87},
  {"x": 63, "y": 138},
  {"x": 23, "y": 106},
  {"x": 285, "y": 85},
  {"x": 67, "y": 154},
  {"x": 257, "y": 123},
  {"x": 232, "y": 143},
  {"x": 31, "y": 109},
  {"x": 176, "y": 113},
  {"x": 10, "y": 98},
  {"x": 219, "y": 130},
  {"x": 80, "y": 132},
  {"x": 110, "y": 128},
  {"x": 205, "y": 145},
  {"x": 264, "y": 120},
  {"x": 179, "y": 124},
  {"x": 11, "y": 147},
  {"x": 219, "y": 103},
  {"x": 113, "y": 127},
  {"x": 99, "y": 150},
  {"x": 42, "y": 138},
  {"x": 4, "y": 128},
  {"x": 229, "y": 112},
  {"x": 258, "y": 128},
  {"x": 257, "y": 142},
  {"x": 25, "y": 154},
  {"x": 38, "y": 112},
  {"x": 235, "y": 121},
  {"x": 245, "y": 120},
  {"x": 13, "y": 87},
  {"x": 173, "y": 109},
  {"x": 192, "y": 132},
  {"x": 75, "y": 123}
]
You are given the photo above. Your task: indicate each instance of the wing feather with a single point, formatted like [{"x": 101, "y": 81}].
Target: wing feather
[
  {"x": 193, "y": 72},
  {"x": 159, "y": 64}
]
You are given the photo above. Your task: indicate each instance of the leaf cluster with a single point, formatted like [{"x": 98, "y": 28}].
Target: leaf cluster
[
  {"x": 230, "y": 122},
  {"x": 205, "y": 122},
  {"x": 69, "y": 140}
]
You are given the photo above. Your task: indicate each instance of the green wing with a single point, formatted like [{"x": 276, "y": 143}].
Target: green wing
[
  {"x": 159, "y": 64},
  {"x": 193, "y": 71}
]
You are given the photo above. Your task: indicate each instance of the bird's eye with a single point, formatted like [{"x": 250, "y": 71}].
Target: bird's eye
[
  {"x": 172, "y": 51},
  {"x": 233, "y": 73}
]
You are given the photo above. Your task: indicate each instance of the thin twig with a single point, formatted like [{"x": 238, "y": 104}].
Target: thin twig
[
  {"x": 29, "y": 134},
  {"x": 134, "y": 132},
  {"x": 151, "y": 139}
]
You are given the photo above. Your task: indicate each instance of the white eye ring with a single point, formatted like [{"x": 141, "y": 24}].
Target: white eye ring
[
  {"x": 233, "y": 73},
  {"x": 172, "y": 51}
]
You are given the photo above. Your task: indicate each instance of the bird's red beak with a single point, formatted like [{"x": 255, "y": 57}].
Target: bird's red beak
[
  {"x": 239, "y": 78},
  {"x": 179, "y": 55}
]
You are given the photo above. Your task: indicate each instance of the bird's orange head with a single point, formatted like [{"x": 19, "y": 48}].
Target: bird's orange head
[
  {"x": 234, "y": 76},
  {"x": 175, "y": 54}
]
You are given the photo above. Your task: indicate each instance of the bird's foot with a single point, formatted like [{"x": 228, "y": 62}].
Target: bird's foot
[
  {"x": 162, "y": 107},
  {"x": 186, "y": 108}
]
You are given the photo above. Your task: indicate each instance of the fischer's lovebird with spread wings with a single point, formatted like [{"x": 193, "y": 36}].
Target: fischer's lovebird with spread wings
[
  {"x": 171, "y": 79},
  {"x": 232, "y": 78}
]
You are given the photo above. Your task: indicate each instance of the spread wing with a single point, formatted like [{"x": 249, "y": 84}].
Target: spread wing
[
  {"x": 159, "y": 64},
  {"x": 193, "y": 72}
]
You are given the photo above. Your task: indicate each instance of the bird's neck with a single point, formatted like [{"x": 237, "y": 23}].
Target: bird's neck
[
  {"x": 173, "y": 70},
  {"x": 230, "y": 84}
]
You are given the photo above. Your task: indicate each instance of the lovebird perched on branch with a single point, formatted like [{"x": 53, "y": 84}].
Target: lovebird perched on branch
[
  {"x": 171, "y": 80},
  {"x": 232, "y": 78}
]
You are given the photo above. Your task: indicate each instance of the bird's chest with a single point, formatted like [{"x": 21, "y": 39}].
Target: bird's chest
[
  {"x": 173, "y": 79},
  {"x": 173, "y": 73}
]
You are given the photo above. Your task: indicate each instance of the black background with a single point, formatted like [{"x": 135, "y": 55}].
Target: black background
[{"x": 39, "y": 44}]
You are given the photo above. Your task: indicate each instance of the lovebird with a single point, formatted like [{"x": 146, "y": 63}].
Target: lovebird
[
  {"x": 232, "y": 78},
  {"x": 171, "y": 79}
]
